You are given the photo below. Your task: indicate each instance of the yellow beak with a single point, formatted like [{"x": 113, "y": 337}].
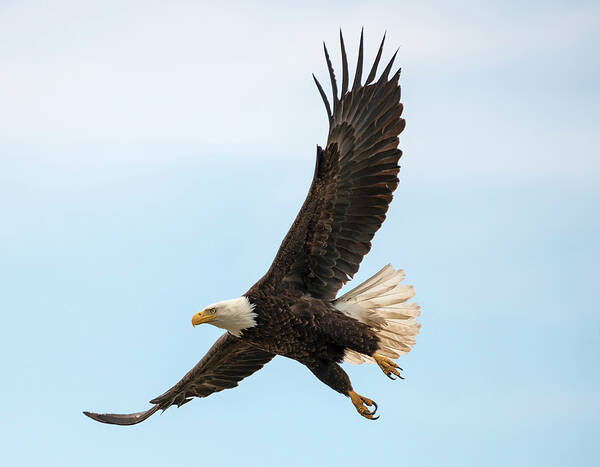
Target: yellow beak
[{"x": 202, "y": 317}]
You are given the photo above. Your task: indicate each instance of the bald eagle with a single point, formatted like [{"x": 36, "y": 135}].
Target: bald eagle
[{"x": 293, "y": 310}]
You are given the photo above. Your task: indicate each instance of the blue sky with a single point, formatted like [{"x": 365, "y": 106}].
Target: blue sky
[{"x": 152, "y": 156}]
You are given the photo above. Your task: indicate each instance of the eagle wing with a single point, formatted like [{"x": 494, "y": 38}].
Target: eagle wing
[
  {"x": 226, "y": 363},
  {"x": 355, "y": 176}
]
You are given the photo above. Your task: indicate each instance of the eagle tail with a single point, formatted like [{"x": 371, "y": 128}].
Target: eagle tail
[{"x": 381, "y": 303}]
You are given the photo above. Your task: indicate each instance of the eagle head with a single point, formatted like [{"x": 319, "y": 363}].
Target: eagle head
[{"x": 234, "y": 315}]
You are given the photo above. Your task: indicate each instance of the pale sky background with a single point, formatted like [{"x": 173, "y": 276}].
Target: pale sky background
[{"x": 152, "y": 157}]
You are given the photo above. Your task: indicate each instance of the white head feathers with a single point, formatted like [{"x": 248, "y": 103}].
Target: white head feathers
[{"x": 234, "y": 315}]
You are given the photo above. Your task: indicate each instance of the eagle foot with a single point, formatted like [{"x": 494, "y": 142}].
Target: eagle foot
[
  {"x": 388, "y": 367},
  {"x": 361, "y": 403}
]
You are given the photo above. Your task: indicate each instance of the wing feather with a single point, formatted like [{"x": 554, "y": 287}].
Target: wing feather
[
  {"x": 344, "y": 65},
  {"x": 373, "y": 71},
  {"x": 359, "y": 64},
  {"x": 226, "y": 363}
]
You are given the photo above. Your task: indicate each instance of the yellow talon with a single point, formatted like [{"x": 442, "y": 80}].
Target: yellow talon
[
  {"x": 360, "y": 404},
  {"x": 388, "y": 366}
]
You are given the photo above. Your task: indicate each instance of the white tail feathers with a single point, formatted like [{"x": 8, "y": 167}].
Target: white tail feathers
[{"x": 380, "y": 302}]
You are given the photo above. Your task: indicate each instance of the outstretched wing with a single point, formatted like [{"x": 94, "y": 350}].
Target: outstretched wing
[
  {"x": 226, "y": 363},
  {"x": 352, "y": 187}
]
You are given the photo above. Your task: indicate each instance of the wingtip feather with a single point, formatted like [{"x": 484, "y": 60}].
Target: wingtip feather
[
  {"x": 331, "y": 76},
  {"x": 122, "y": 419},
  {"x": 344, "y": 66},
  {"x": 324, "y": 98},
  {"x": 359, "y": 63},
  {"x": 386, "y": 71},
  {"x": 373, "y": 71}
]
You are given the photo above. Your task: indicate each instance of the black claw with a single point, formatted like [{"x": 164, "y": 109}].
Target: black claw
[
  {"x": 375, "y": 410},
  {"x": 374, "y": 418},
  {"x": 389, "y": 375}
]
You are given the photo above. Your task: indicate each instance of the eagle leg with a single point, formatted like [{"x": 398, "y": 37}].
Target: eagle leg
[
  {"x": 361, "y": 403},
  {"x": 388, "y": 366},
  {"x": 336, "y": 378}
]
